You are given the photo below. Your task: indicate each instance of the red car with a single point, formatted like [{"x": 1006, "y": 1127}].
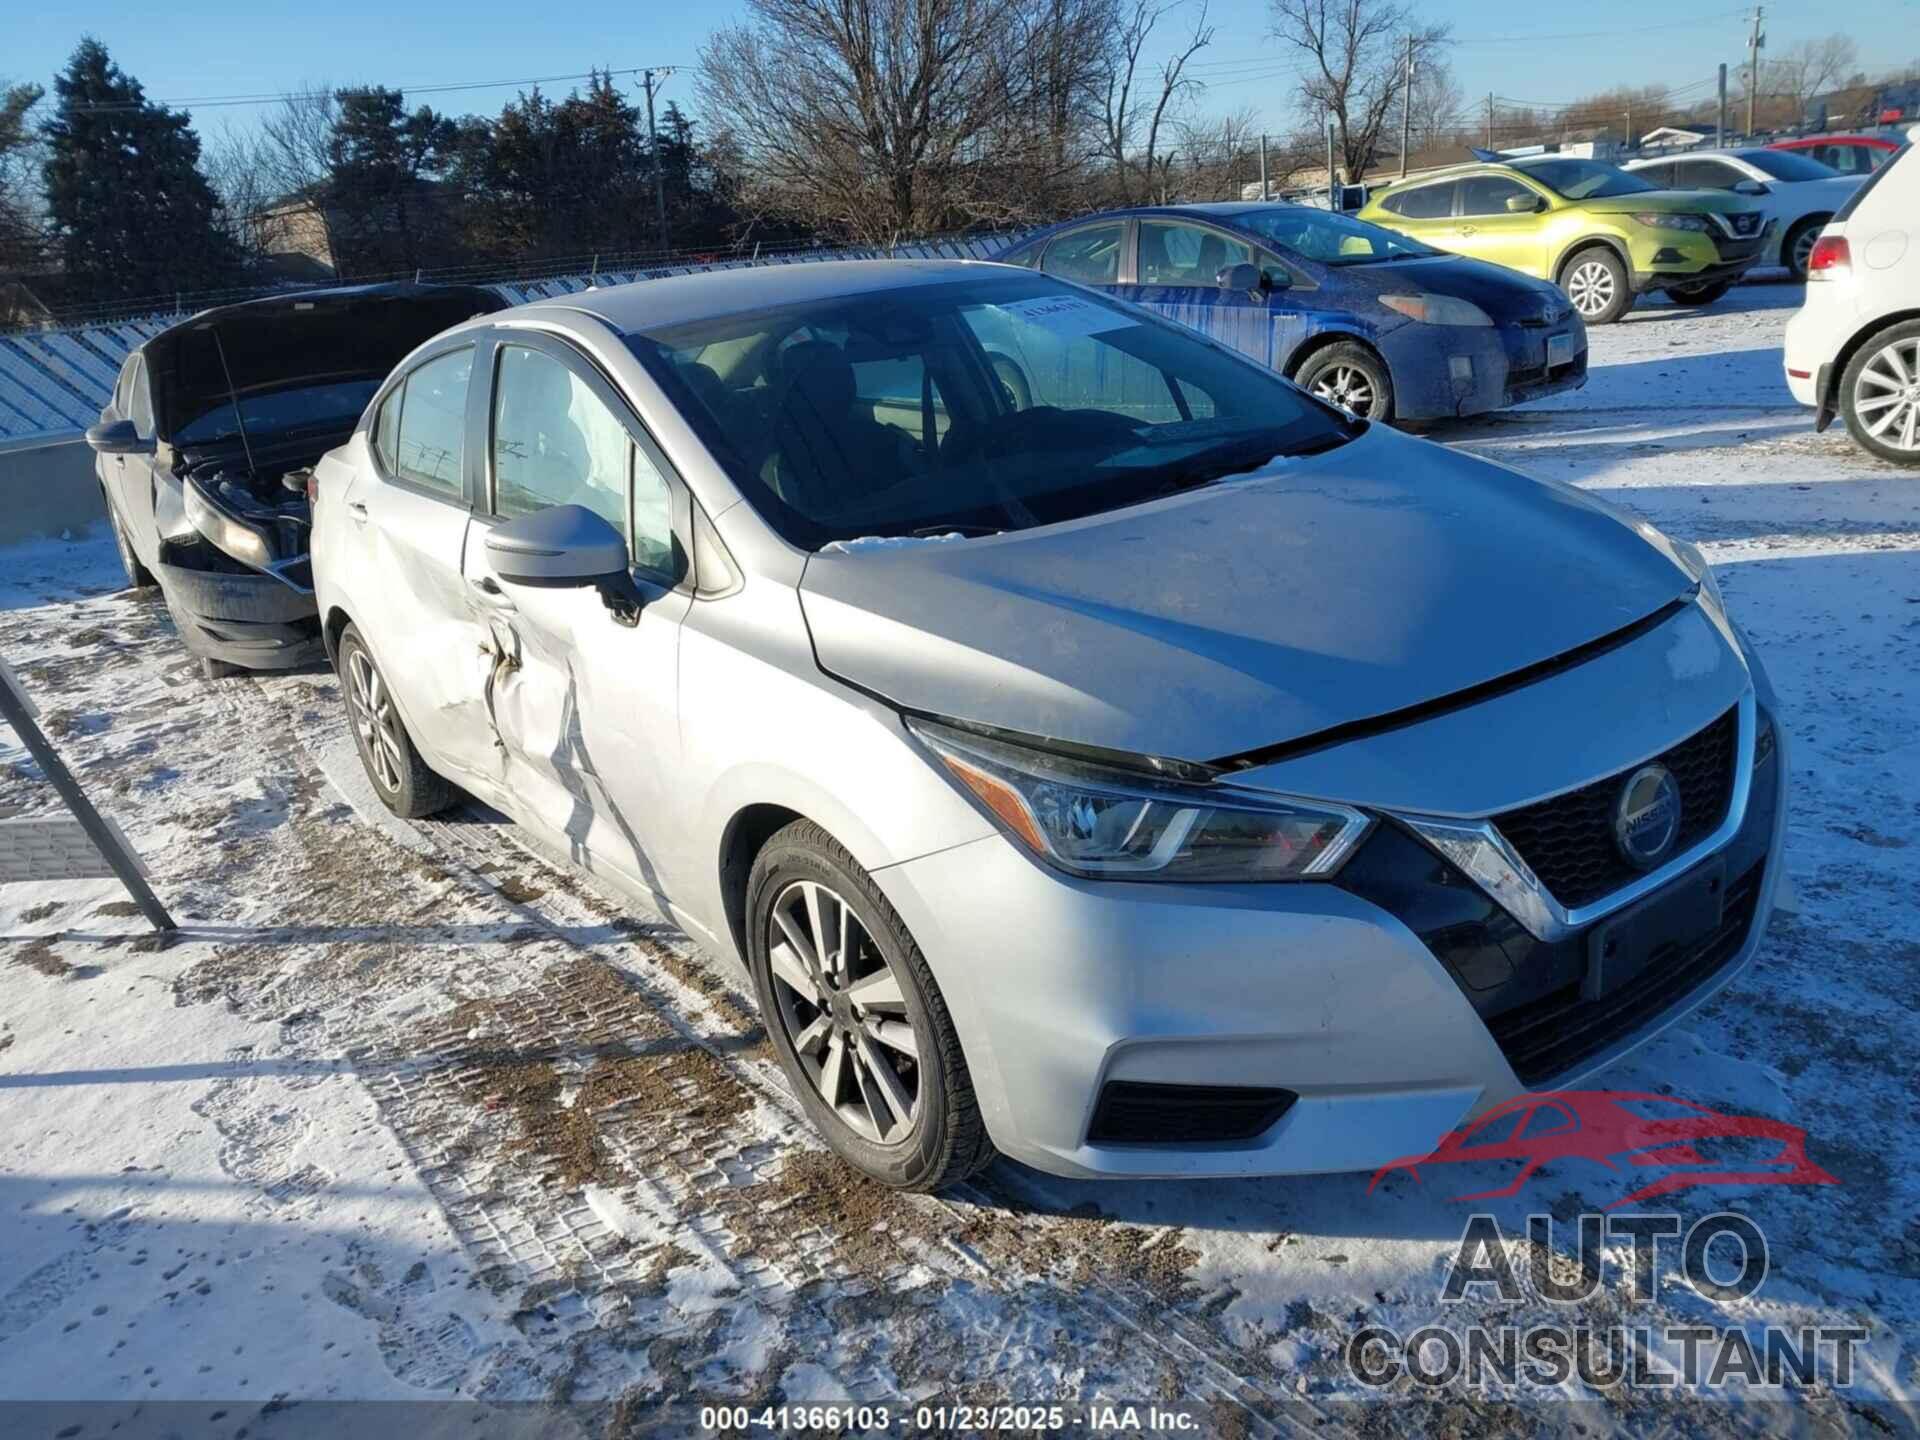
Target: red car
[
  {"x": 1849, "y": 154},
  {"x": 1696, "y": 1145}
]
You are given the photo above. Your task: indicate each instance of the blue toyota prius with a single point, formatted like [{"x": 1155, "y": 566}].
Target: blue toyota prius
[{"x": 1377, "y": 323}]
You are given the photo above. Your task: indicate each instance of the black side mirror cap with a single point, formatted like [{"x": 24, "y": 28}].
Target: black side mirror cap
[{"x": 118, "y": 437}]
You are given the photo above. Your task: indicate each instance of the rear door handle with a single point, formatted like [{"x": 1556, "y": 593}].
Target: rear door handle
[{"x": 356, "y": 509}]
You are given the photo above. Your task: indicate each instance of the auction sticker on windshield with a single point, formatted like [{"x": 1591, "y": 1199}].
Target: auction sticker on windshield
[{"x": 1065, "y": 315}]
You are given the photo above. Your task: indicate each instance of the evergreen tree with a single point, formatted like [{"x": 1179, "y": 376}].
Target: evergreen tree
[
  {"x": 382, "y": 190},
  {"x": 130, "y": 211}
]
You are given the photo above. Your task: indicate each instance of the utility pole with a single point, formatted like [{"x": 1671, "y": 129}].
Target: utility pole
[
  {"x": 1720, "y": 130},
  {"x": 1406, "y": 109},
  {"x": 1265, "y": 194},
  {"x": 1333, "y": 180},
  {"x": 653, "y": 144},
  {"x": 1489, "y": 120},
  {"x": 1629, "y": 125},
  {"x": 1755, "y": 43}
]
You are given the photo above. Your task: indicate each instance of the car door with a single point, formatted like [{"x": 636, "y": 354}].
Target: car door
[
  {"x": 124, "y": 476},
  {"x": 1423, "y": 211},
  {"x": 414, "y": 512},
  {"x": 1488, "y": 229},
  {"x": 584, "y": 704},
  {"x": 1178, "y": 264}
]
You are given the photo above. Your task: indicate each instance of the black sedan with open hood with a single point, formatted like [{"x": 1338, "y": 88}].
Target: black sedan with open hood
[{"x": 203, "y": 453}]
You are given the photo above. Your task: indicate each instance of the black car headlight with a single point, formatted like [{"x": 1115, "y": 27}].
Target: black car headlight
[{"x": 1110, "y": 823}]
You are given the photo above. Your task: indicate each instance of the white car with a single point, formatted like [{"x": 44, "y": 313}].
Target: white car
[
  {"x": 1797, "y": 194},
  {"x": 1853, "y": 348}
]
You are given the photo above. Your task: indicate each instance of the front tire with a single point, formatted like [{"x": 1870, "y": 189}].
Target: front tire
[
  {"x": 856, "y": 1018},
  {"x": 1597, "y": 283},
  {"x": 1699, "y": 294},
  {"x": 405, "y": 784},
  {"x": 1880, "y": 394},
  {"x": 1349, "y": 377}
]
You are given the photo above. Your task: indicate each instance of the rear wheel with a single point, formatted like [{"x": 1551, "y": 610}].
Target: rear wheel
[
  {"x": 1880, "y": 394},
  {"x": 1350, "y": 377},
  {"x": 1796, "y": 250},
  {"x": 404, "y": 782},
  {"x": 1700, "y": 294},
  {"x": 1597, "y": 283},
  {"x": 856, "y": 1018}
]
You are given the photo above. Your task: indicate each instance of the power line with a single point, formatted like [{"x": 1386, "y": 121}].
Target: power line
[{"x": 209, "y": 102}]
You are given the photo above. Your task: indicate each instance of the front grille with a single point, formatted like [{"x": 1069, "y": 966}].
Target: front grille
[
  {"x": 1131, "y": 1112},
  {"x": 1551, "y": 1035},
  {"x": 1568, "y": 840}
]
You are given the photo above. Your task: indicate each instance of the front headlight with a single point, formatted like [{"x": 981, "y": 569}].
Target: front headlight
[
  {"x": 242, "y": 542},
  {"x": 1111, "y": 824},
  {"x": 1654, "y": 220},
  {"x": 1437, "y": 309}
]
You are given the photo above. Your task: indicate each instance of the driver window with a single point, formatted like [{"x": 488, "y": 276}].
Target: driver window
[
  {"x": 141, "y": 405},
  {"x": 1176, "y": 254},
  {"x": 1488, "y": 194},
  {"x": 554, "y": 443}
]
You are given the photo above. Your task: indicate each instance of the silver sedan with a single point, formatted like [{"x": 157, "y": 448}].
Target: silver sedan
[{"x": 1094, "y": 748}]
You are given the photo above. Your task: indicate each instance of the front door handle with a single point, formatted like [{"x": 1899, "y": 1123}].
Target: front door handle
[
  {"x": 1466, "y": 230},
  {"x": 491, "y": 594},
  {"x": 357, "y": 510}
]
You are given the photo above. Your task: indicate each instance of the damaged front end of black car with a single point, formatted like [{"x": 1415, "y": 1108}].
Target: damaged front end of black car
[{"x": 206, "y": 448}]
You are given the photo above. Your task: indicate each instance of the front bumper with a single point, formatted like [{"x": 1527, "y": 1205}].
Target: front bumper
[
  {"x": 1445, "y": 371},
  {"x": 1696, "y": 260},
  {"x": 227, "y": 612},
  {"x": 1393, "y": 1003}
]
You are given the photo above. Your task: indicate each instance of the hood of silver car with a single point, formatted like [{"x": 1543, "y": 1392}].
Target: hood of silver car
[{"x": 1385, "y": 574}]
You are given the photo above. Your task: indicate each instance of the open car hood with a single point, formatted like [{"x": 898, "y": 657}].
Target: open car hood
[
  {"x": 290, "y": 341},
  {"x": 1320, "y": 592}
]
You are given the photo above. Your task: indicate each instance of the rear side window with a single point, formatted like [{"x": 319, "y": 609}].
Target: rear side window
[
  {"x": 1901, "y": 157},
  {"x": 431, "y": 443},
  {"x": 1425, "y": 202},
  {"x": 1091, "y": 256}
]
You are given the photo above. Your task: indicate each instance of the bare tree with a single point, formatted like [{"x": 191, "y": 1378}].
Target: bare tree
[
  {"x": 240, "y": 165},
  {"x": 1137, "y": 105},
  {"x": 1437, "y": 110},
  {"x": 1357, "y": 66},
  {"x": 22, "y": 235},
  {"x": 869, "y": 117},
  {"x": 1809, "y": 69}
]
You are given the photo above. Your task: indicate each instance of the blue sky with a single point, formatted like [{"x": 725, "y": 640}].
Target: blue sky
[{"x": 200, "y": 48}]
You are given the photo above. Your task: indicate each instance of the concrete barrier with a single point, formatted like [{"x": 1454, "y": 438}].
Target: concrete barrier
[{"x": 47, "y": 487}]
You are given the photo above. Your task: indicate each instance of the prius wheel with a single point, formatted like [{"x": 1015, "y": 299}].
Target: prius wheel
[
  {"x": 406, "y": 785},
  {"x": 1597, "y": 284},
  {"x": 138, "y": 576},
  {"x": 1351, "y": 378},
  {"x": 856, "y": 1018},
  {"x": 1880, "y": 394}
]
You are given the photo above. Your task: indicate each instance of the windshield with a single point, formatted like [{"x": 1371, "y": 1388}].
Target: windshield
[
  {"x": 1583, "y": 179},
  {"x": 1329, "y": 238},
  {"x": 1786, "y": 165},
  {"x": 334, "y": 406},
  {"x": 970, "y": 407}
]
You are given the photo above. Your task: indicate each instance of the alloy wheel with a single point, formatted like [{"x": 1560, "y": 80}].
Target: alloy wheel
[
  {"x": 1886, "y": 397},
  {"x": 1346, "y": 386},
  {"x": 374, "y": 719},
  {"x": 1803, "y": 249},
  {"x": 844, "y": 1012},
  {"x": 1591, "y": 287}
]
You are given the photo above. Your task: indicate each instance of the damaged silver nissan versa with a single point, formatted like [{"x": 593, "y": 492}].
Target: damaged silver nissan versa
[
  {"x": 204, "y": 449},
  {"x": 1093, "y": 747}
]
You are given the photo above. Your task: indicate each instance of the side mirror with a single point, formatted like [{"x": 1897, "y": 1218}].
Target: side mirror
[
  {"x": 566, "y": 547},
  {"x": 1244, "y": 277},
  {"x": 118, "y": 437},
  {"x": 1750, "y": 187},
  {"x": 1523, "y": 204}
]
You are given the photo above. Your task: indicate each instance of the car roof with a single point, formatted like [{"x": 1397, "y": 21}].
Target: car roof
[
  {"x": 1710, "y": 152},
  {"x": 705, "y": 295},
  {"x": 1803, "y": 142}
]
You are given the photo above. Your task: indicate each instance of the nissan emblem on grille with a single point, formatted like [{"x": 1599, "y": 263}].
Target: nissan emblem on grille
[{"x": 1646, "y": 818}]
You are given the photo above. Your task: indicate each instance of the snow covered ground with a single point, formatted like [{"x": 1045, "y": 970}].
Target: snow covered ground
[{"x": 413, "y": 1111}]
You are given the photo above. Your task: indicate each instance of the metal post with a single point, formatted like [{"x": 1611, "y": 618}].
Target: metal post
[
  {"x": 1489, "y": 120},
  {"x": 13, "y": 708},
  {"x": 1629, "y": 125},
  {"x": 653, "y": 143},
  {"x": 1406, "y": 109},
  {"x": 1265, "y": 194},
  {"x": 1720, "y": 129},
  {"x": 1333, "y": 182},
  {"x": 1754, "y": 42}
]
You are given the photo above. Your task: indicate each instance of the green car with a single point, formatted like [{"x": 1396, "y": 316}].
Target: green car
[{"x": 1603, "y": 235}]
